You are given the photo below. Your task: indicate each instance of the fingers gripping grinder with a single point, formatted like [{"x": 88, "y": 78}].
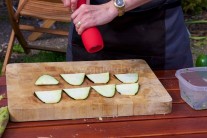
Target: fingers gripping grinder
[{"x": 91, "y": 37}]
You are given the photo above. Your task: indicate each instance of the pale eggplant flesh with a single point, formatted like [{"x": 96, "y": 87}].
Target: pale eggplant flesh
[
  {"x": 78, "y": 93},
  {"x": 52, "y": 96},
  {"x": 127, "y": 89},
  {"x": 99, "y": 78},
  {"x": 105, "y": 90},
  {"x": 74, "y": 79},
  {"x": 128, "y": 77},
  {"x": 46, "y": 80}
]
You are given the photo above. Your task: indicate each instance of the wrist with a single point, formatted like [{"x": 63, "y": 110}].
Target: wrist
[
  {"x": 120, "y": 6},
  {"x": 112, "y": 9}
]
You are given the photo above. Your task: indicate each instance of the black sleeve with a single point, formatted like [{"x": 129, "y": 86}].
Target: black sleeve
[{"x": 157, "y": 4}]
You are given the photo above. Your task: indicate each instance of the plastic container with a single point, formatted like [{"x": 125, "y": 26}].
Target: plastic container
[{"x": 193, "y": 86}]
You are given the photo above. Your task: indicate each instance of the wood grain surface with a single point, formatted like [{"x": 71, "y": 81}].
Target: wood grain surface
[
  {"x": 24, "y": 106},
  {"x": 182, "y": 122}
]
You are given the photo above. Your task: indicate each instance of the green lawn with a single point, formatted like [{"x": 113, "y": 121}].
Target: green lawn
[
  {"x": 42, "y": 56},
  {"x": 45, "y": 57}
]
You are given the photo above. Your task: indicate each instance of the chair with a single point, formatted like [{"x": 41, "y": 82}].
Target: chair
[{"x": 50, "y": 11}]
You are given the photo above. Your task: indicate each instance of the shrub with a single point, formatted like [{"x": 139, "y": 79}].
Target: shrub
[{"x": 194, "y": 6}]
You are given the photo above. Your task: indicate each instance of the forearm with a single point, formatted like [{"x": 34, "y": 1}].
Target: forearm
[
  {"x": 141, "y": 5},
  {"x": 131, "y": 4},
  {"x": 94, "y": 15}
]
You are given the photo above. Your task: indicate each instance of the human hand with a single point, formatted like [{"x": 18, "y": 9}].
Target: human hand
[
  {"x": 71, "y": 4},
  {"x": 87, "y": 16}
]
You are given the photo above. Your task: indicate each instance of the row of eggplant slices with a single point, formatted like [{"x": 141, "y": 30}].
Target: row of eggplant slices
[{"x": 129, "y": 86}]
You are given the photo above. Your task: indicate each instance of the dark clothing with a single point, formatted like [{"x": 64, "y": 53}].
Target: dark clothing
[{"x": 154, "y": 32}]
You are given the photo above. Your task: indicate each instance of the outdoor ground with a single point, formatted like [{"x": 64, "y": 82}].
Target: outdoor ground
[
  {"x": 198, "y": 46},
  {"x": 46, "y": 39}
]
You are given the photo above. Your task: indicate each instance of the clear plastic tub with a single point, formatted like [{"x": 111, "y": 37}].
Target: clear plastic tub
[{"x": 193, "y": 86}]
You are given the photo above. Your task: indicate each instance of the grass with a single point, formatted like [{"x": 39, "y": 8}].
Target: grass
[
  {"x": 42, "y": 56},
  {"x": 45, "y": 57},
  {"x": 17, "y": 48}
]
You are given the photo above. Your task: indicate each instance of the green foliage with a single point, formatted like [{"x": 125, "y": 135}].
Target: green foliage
[
  {"x": 18, "y": 49},
  {"x": 194, "y": 6},
  {"x": 196, "y": 22},
  {"x": 42, "y": 56},
  {"x": 199, "y": 42},
  {"x": 45, "y": 57},
  {"x": 198, "y": 37}
]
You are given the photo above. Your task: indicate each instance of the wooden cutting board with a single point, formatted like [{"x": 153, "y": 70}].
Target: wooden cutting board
[{"x": 151, "y": 99}]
